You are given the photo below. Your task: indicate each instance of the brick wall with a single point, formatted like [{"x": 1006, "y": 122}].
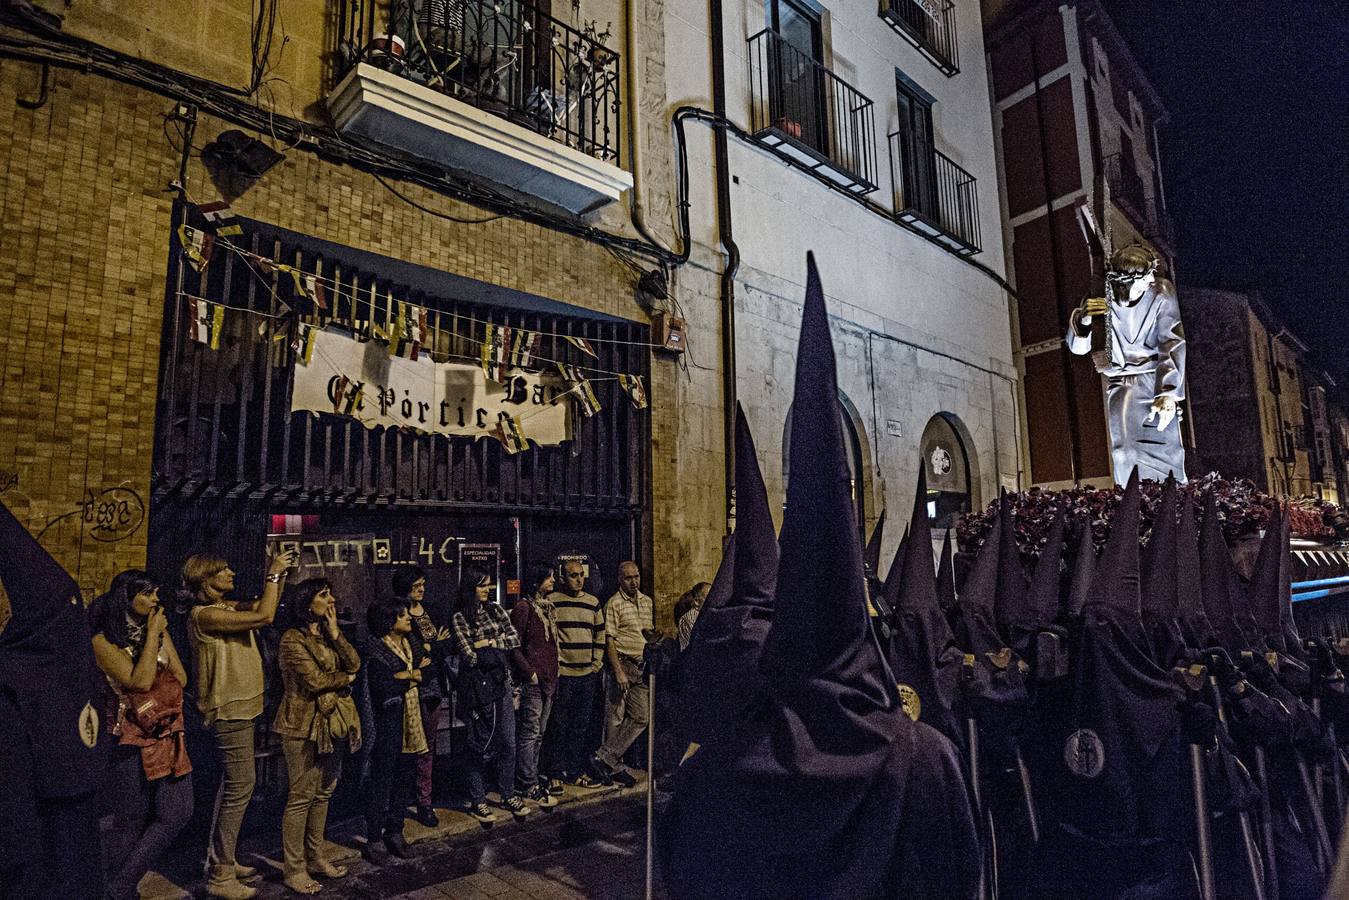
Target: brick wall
[{"x": 84, "y": 242}]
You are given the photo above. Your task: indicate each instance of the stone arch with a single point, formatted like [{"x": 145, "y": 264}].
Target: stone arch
[{"x": 947, "y": 454}]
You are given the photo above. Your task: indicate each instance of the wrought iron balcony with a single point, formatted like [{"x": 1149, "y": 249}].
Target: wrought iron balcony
[
  {"x": 930, "y": 25},
  {"x": 934, "y": 195},
  {"x": 809, "y": 116},
  {"x": 496, "y": 87}
]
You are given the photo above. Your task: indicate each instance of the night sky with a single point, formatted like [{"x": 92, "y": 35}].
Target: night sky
[{"x": 1256, "y": 155}]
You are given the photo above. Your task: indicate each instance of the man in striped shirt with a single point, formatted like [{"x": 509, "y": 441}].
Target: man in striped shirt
[{"x": 580, "y": 642}]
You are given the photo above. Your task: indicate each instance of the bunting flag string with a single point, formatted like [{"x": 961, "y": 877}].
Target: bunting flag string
[
  {"x": 347, "y": 396},
  {"x": 220, "y": 218},
  {"x": 304, "y": 344},
  {"x": 635, "y": 389},
  {"x": 409, "y": 330},
  {"x": 206, "y": 322},
  {"x": 580, "y": 388},
  {"x": 525, "y": 348},
  {"x": 584, "y": 345},
  {"x": 511, "y": 434},
  {"x": 197, "y": 245}
]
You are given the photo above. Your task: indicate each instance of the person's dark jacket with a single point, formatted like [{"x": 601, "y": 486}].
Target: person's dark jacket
[
  {"x": 437, "y": 678},
  {"x": 536, "y": 655},
  {"x": 387, "y": 695}
]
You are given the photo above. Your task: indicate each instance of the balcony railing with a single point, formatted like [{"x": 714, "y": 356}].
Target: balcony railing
[
  {"x": 1129, "y": 192},
  {"x": 809, "y": 116},
  {"x": 506, "y": 57},
  {"x": 934, "y": 195},
  {"x": 930, "y": 25}
]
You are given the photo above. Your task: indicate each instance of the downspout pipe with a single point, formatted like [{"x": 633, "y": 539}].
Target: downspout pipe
[{"x": 722, "y": 171}]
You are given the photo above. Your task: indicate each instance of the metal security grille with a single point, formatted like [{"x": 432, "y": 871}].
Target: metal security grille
[{"x": 224, "y": 426}]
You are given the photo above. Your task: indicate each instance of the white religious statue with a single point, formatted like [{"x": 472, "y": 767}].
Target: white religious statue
[{"x": 1144, "y": 364}]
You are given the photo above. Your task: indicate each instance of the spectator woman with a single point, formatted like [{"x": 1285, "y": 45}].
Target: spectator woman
[
  {"x": 317, "y": 722},
  {"x": 150, "y": 776},
  {"x": 395, "y": 674},
  {"x": 431, "y": 639},
  {"x": 686, "y": 611},
  {"x": 485, "y": 634},
  {"x": 230, "y": 686},
  {"x": 534, "y": 664}
]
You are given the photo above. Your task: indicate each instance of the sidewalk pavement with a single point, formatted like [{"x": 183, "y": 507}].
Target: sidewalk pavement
[{"x": 590, "y": 845}]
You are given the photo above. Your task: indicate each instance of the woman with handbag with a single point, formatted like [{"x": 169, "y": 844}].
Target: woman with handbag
[
  {"x": 484, "y": 634},
  {"x": 431, "y": 640},
  {"x": 393, "y": 672},
  {"x": 317, "y": 723},
  {"x": 151, "y": 773}
]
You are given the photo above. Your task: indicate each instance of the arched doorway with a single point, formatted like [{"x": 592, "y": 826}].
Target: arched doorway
[
  {"x": 946, "y": 463},
  {"x": 854, "y": 454}
]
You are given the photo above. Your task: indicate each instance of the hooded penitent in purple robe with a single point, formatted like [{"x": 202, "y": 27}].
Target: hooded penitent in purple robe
[{"x": 824, "y": 788}]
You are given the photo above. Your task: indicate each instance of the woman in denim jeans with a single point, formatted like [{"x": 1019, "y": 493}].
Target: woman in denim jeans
[
  {"x": 485, "y": 635},
  {"x": 229, "y": 694},
  {"x": 534, "y": 664}
]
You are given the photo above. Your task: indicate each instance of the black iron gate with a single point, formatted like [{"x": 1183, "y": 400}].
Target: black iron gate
[{"x": 225, "y": 437}]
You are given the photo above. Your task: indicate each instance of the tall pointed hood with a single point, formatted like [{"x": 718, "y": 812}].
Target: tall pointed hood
[
  {"x": 1291, "y": 639},
  {"x": 1264, "y": 593},
  {"x": 1114, "y": 591},
  {"x": 871, "y": 555},
  {"x": 776, "y": 808},
  {"x": 1194, "y": 621},
  {"x": 721, "y": 663},
  {"x": 821, "y": 629},
  {"x": 946, "y": 576},
  {"x": 893, "y": 575},
  {"x": 923, "y": 651},
  {"x": 1159, "y": 559},
  {"x": 1219, "y": 577},
  {"x": 1043, "y": 597},
  {"x": 1084, "y": 569},
  {"x": 975, "y": 628},
  {"x": 47, "y": 665},
  {"x": 1012, "y": 612}
]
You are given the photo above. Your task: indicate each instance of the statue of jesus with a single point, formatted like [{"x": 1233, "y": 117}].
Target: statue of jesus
[{"x": 1144, "y": 365}]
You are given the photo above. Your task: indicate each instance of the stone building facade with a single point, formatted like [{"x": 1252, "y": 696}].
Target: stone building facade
[{"x": 1262, "y": 408}]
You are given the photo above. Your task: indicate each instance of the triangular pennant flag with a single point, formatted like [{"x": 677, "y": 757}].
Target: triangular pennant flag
[
  {"x": 580, "y": 388},
  {"x": 581, "y": 344},
  {"x": 206, "y": 322},
  {"x": 304, "y": 344},
  {"x": 636, "y": 391},
  {"x": 511, "y": 435},
  {"x": 408, "y": 333},
  {"x": 347, "y": 396},
  {"x": 197, "y": 245},
  {"x": 220, "y": 218},
  {"x": 525, "y": 347}
]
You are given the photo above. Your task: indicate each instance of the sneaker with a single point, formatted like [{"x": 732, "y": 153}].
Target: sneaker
[
  {"x": 589, "y": 781},
  {"x": 622, "y": 778},
  {"x": 539, "y": 794},
  {"x": 482, "y": 812},
  {"x": 426, "y": 816},
  {"x": 555, "y": 788},
  {"x": 598, "y": 771},
  {"x": 516, "y": 806}
]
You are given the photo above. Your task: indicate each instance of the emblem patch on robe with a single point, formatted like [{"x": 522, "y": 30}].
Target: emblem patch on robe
[
  {"x": 88, "y": 726},
  {"x": 909, "y": 700},
  {"x": 1084, "y": 754}
]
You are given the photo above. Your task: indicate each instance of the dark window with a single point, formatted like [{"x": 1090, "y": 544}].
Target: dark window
[
  {"x": 917, "y": 152},
  {"x": 797, "y": 73}
]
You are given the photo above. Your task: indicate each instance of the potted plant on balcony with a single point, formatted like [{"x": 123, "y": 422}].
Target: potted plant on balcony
[{"x": 598, "y": 54}]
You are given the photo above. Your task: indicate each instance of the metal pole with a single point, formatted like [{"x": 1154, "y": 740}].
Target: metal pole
[
  {"x": 1031, "y": 816},
  {"x": 972, "y": 746},
  {"x": 650, "y": 784},
  {"x": 1318, "y": 771},
  {"x": 1267, "y": 824},
  {"x": 1206, "y": 890},
  {"x": 1325, "y": 858},
  {"x": 1252, "y": 856}
]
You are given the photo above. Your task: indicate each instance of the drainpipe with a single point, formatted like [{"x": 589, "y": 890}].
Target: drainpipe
[
  {"x": 721, "y": 166},
  {"x": 634, "y": 120}
]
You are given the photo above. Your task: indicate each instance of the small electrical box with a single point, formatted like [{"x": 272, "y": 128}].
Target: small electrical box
[{"x": 669, "y": 332}]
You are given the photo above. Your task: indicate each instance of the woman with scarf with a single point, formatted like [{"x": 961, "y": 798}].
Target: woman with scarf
[
  {"x": 484, "y": 634},
  {"x": 432, "y": 640},
  {"x": 151, "y": 773},
  {"x": 534, "y": 664},
  {"x": 317, "y": 723},
  {"x": 394, "y": 673}
]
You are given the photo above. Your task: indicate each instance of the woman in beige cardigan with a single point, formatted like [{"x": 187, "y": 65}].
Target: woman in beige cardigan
[{"x": 317, "y": 722}]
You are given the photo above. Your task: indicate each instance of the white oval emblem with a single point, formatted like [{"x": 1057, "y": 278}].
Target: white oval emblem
[
  {"x": 941, "y": 461},
  {"x": 909, "y": 701},
  {"x": 88, "y": 726},
  {"x": 1084, "y": 754}
]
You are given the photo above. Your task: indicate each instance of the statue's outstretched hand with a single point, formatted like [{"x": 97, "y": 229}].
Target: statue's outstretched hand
[
  {"x": 1164, "y": 410},
  {"x": 1091, "y": 306}
]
